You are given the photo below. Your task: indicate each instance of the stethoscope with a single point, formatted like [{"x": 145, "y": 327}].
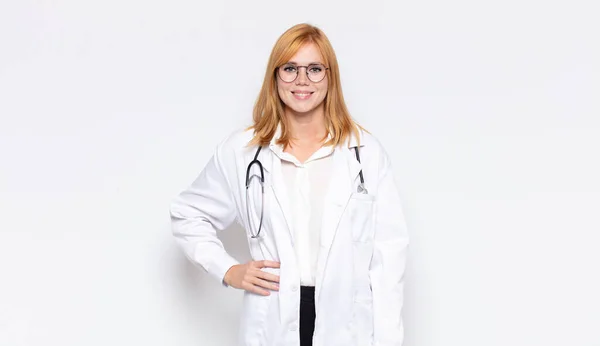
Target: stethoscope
[{"x": 360, "y": 189}]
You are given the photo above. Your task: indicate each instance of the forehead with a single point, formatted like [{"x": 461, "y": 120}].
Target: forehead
[{"x": 308, "y": 53}]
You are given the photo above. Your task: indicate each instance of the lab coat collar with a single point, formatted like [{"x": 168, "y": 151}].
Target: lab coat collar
[
  {"x": 278, "y": 149},
  {"x": 352, "y": 140}
]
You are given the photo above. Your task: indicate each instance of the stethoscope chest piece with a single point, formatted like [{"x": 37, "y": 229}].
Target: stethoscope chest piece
[{"x": 362, "y": 189}]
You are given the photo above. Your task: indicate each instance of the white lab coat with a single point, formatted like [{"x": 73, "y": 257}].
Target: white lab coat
[{"x": 361, "y": 261}]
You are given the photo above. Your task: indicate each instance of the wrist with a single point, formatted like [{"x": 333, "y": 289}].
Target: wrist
[{"x": 227, "y": 276}]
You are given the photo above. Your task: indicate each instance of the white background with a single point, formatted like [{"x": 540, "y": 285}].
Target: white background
[{"x": 489, "y": 109}]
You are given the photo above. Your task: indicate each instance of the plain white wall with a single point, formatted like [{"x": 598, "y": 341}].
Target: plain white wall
[{"x": 490, "y": 111}]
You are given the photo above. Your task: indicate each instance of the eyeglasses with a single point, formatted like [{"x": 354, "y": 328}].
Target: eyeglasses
[{"x": 289, "y": 72}]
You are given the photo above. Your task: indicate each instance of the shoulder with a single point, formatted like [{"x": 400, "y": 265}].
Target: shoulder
[
  {"x": 226, "y": 151},
  {"x": 237, "y": 138},
  {"x": 373, "y": 153},
  {"x": 368, "y": 139},
  {"x": 234, "y": 146},
  {"x": 369, "y": 143},
  {"x": 235, "y": 141}
]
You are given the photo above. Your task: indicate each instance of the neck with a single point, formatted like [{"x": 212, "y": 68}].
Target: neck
[{"x": 307, "y": 127}]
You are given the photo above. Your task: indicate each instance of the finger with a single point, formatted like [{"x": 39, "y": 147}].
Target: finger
[
  {"x": 267, "y": 276},
  {"x": 265, "y": 284},
  {"x": 267, "y": 263},
  {"x": 247, "y": 286}
]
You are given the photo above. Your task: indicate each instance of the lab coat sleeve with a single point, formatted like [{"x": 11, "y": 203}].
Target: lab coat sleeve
[
  {"x": 388, "y": 262},
  {"x": 205, "y": 207}
]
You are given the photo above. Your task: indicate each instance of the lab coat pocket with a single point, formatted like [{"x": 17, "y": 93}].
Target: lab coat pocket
[
  {"x": 361, "y": 210},
  {"x": 363, "y": 196}
]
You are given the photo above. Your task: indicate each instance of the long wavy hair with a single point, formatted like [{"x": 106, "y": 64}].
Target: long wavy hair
[{"x": 268, "y": 111}]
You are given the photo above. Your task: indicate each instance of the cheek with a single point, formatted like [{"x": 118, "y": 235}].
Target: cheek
[
  {"x": 323, "y": 92},
  {"x": 282, "y": 91},
  {"x": 323, "y": 87}
]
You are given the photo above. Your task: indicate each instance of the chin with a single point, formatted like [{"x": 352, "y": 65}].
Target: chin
[{"x": 302, "y": 109}]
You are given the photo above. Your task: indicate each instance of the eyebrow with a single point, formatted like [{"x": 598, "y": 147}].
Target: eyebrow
[{"x": 312, "y": 63}]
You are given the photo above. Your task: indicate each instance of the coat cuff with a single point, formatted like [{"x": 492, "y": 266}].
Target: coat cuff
[{"x": 220, "y": 265}]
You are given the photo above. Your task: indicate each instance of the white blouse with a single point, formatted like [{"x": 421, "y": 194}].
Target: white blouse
[{"x": 306, "y": 185}]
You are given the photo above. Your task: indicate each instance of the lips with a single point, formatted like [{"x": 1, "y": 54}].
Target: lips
[{"x": 302, "y": 95}]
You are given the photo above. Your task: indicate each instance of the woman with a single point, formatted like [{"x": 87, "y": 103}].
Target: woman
[{"x": 316, "y": 196}]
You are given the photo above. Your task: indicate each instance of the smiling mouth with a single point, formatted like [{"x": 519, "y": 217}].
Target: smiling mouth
[{"x": 302, "y": 96}]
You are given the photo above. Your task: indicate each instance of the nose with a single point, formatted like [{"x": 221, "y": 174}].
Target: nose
[{"x": 302, "y": 76}]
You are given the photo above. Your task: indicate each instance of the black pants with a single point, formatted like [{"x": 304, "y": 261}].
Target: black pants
[{"x": 307, "y": 315}]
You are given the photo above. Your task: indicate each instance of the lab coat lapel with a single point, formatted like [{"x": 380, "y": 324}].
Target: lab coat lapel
[
  {"x": 273, "y": 166},
  {"x": 344, "y": 173}
]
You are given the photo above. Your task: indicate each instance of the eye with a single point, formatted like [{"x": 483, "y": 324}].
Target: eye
[
  {"x": 315, "y": 68},
  {"x": 289, "y": 68}
]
